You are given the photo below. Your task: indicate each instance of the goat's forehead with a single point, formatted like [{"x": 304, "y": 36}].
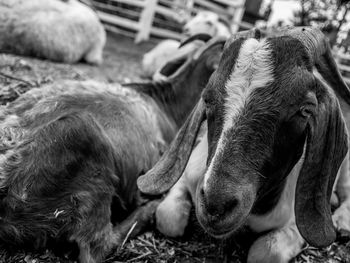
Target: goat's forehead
[
  {"x": 252, "y": 69},
  {"x": 253, "y": 80},
  {"x": 259, "y": 71},
  {"x": 250, "y": 64}
]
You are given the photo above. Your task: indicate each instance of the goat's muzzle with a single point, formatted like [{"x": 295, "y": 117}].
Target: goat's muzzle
[{"x": 222, "y": 207}]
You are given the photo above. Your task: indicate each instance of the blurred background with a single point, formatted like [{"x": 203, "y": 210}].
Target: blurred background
[
  {"x": 142, "y": 35},
  {"x": 164, "y": 19}
]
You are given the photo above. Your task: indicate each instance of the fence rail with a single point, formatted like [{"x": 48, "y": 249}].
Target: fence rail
[
  {"x": 162, "y": 18},
  {"x": 343, "y": 61}
]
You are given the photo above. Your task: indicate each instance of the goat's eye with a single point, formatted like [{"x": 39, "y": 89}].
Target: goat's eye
[
  {"x": 306, "y": 111},
  {"x": 309, "y": 106}
]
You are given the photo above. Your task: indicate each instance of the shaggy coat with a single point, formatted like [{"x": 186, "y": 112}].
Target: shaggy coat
[{"x": 71, "y": 153}]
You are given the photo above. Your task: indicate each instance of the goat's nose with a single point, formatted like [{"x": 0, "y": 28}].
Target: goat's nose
[
  {"x": 185, "y": 30},
  {"x": 218, "y": 204}
]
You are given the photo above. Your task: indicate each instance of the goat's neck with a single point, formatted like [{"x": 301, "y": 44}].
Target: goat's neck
[{"x": 165, "y": 97}]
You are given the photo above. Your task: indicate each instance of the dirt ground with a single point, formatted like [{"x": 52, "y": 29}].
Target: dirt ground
[{"x": 122, "y": 64}]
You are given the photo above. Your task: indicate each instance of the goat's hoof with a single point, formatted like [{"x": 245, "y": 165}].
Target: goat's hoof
[
  {"x": 259, "y": 253},
  {"x": 172, "y": 217},
  {"x": 270, "y": 259},
  {"x": 276, "y": 247},
  {"x": 148, "y": 211},
  {"x": 341, "y": 220}
]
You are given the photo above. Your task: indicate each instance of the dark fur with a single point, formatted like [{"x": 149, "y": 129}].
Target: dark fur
[{"x": 73, "y": 151}]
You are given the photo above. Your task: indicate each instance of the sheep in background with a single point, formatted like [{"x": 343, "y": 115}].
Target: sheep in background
[
  {"x": 209, "y": 23},
  {"x": 205, "y": 22},
  {"x": 64, "y": 31},
  {"x": 158, "y": 56}
]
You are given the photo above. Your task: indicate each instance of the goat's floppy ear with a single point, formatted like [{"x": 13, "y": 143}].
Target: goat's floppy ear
[
  {"x": 170, "y": 167},
  {"x": 326, "y": 148}
]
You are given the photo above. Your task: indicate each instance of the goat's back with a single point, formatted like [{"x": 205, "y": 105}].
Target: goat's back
[{"x": 83, "y": 145}]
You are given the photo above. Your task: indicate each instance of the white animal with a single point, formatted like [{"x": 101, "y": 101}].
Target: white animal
[
  {"x": 275, "y": 150},
  {"x": 158, "y": 56},
  {"x": 205, "y": 22},
  {"x": 65, "y": 31}
]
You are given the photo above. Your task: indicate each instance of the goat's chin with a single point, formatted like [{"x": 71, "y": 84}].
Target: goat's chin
[
  {"x": 224, "y": 227},
  {"x": 220, "y": 235}
]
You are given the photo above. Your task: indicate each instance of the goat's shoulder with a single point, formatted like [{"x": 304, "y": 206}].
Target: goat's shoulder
[
  {"x": 54, "y": 154},
  {"x": 59, "y": 167}
]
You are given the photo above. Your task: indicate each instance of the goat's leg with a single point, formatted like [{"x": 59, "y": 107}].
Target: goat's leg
[
  {"x": 95, "y": 54},
  {"x": 173, "y": 213},
  {"x": 278, "y": 246},
  {"x": 96, "y": 236},
  {"x": 92, "y": 229},
  {"x": 341, "y": 216},
  {"x": 138, "y": 221},
  {"x": 95, "y": 249}
]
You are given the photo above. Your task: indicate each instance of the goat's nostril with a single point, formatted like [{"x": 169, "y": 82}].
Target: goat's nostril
[
  {"x": 218, "y": 208},
  {"x": 201, "y": 192},
  {"x": 216, "y": 204},
  {"x": 230, "y": 205}
]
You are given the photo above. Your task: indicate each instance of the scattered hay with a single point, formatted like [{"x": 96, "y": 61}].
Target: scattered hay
[{"x": 21, "y": 74}]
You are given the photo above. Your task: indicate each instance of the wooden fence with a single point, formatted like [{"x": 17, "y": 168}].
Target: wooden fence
[
  {"x": 343, "y": 61},
  {"x": 162, "y": 18}
]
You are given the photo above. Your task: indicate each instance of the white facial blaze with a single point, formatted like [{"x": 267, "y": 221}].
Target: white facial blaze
[{"x": 253, "y": 69}]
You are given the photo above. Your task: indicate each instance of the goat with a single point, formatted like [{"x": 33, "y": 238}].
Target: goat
[
  {"x": 275, "y": 115},
  {"x": 64, "y": 31},
  {"x": 71, "y": 153},
  {"x": 205, "y": 22}
]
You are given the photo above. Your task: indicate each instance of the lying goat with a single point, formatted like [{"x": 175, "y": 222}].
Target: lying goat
[
  {"x": 59, "y": 30},
  {"x": 276, "y": 138},
  {"x": 71, "y": 153},
  {"x": 205, "y": 22}
]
